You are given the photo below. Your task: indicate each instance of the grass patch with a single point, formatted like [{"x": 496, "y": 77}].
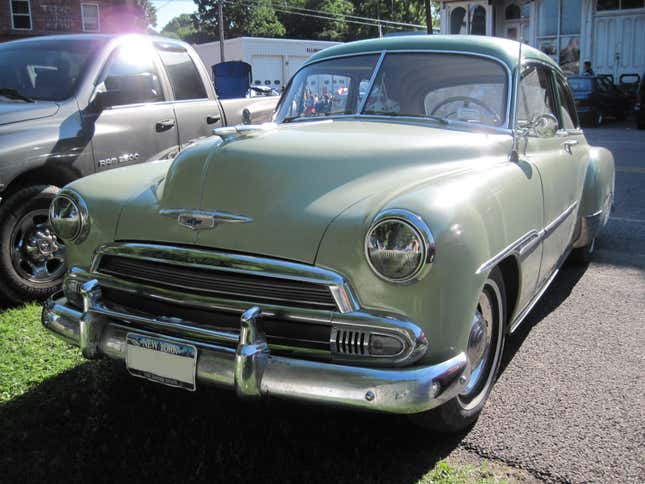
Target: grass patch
[
  {"x": 29, "y": 354},
  {"x": 65, "y": 419},
  {"x": 445, "y": 472}
]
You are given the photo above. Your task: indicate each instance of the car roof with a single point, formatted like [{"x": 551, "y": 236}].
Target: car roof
[
  {"x": 505, "y": 50},
  {"x": 165, "y": 41}
]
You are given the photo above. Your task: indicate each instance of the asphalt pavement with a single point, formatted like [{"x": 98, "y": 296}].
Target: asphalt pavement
[{"x": 570, "y": 403}]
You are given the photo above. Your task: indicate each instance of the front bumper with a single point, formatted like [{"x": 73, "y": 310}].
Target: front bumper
[{"x": 252, "y": 371}]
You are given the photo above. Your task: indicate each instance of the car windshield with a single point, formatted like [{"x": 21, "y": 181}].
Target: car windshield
[
  {"x": 47, "y": 69},
  {"x": 438, "y": 86},
  {"x": 581, "y": 83}
]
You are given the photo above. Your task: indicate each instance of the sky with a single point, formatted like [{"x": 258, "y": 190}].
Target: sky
[{"x": 169, "y": 9}]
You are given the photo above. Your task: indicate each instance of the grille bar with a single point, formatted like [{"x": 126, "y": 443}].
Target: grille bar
[{"x": 232, "y": 285}]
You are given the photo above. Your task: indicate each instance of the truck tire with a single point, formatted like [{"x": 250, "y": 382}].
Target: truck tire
[
  {"x": 32, "y": 263},
  {"x": 463, "y": 410}
]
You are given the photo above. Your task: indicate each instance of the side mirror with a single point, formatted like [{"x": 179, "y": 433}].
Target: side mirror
[
  {"x": 122, "y": 90},
  {"x": 545, "y": 125}
]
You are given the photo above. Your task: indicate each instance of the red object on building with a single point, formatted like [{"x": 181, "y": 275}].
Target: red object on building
[{"x": 27, "y": 18}]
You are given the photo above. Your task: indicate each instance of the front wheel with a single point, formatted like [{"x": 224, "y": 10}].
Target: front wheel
[
  {"x": 484, "y": 354},
  {"x": 32, "y": 262}
]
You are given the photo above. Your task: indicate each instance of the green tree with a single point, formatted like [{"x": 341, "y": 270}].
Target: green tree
[
  {"x": 254, "y": 18},
  {"x": 184, "y": 27}
]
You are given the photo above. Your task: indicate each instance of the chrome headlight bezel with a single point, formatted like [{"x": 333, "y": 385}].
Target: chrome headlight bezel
[
  {"x": 83, "y": 225},
  {"x": 422, "y": 232}
]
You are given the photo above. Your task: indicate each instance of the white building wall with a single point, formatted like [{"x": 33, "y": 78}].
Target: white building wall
[{"x": 271, "y": 59}]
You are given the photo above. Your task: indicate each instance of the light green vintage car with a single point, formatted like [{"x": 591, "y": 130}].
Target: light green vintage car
[{"x": 371, "y": 248}]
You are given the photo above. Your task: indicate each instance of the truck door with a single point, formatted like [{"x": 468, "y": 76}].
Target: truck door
[
  {"x": 196, "y": 107},
  {"x": 132, "y": 121}
]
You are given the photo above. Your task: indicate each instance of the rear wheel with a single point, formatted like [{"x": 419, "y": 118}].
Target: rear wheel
[
  {"x": 582, "y": 255},
  {"x": 32, "y": 262},
  {"x": 485, "y": 354}
]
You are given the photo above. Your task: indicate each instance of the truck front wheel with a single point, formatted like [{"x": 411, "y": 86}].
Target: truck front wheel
[{"x": 32, "y": 262}]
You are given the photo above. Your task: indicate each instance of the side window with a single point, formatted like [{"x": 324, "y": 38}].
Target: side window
[
  {"x": 185, "y": 80},
  {"x": 535, "y": 96},
  {"x": 568, "y": 107},
  {"x": 131, "y": 77}
]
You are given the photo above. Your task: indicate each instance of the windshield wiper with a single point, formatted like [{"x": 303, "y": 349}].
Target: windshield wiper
[{"x": 14, "y": 94}]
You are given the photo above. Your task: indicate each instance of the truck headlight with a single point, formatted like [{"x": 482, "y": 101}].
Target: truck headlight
[
  {"x": 68, "y": 217},
  {"x": 399, "y": 245}
]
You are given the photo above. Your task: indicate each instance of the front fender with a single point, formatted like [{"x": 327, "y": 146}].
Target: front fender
[{"x": 473, "y": 216}]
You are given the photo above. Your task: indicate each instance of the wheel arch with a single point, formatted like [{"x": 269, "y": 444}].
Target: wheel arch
[{"x": 43, "y": 175}]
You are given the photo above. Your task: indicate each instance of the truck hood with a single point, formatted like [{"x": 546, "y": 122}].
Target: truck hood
[
  {"x": 294, "y": 180},
  {"x": 16, "y": 111}
]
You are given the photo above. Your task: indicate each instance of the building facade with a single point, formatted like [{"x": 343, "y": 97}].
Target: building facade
[
  {"x": 25, "y": 18},
  {"x": 609, "y": 33}
]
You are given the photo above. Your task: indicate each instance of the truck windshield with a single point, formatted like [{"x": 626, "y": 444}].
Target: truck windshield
[
  {"x": 437, "y": 86},
  {"x": 581, "y": 84},
  {"x": 45, "y": 69}
]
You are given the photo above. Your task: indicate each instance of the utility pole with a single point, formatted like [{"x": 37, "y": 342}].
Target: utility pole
[
  {"x": 378, "y": 17},
  {"x": 220, "y": 21},
  {"x": 428, "y": 16}
]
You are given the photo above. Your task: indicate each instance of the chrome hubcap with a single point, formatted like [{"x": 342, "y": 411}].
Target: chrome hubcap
[
  {"x": 484, "y": 346},
  {"x": 37, "y": 255}
]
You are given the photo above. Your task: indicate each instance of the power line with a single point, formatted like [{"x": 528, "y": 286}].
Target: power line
[{"x": 334, "y": 17}]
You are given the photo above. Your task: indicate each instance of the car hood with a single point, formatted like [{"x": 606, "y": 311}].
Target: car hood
[
  {"x": 16, "y": 111},
  {"x": 294, "y": 180}
]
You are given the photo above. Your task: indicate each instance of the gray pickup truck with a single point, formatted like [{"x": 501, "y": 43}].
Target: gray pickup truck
[{"x": 78, "y": 104}]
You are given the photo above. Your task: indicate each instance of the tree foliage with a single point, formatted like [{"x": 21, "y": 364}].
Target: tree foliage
[{"x": 300, "y": 19}]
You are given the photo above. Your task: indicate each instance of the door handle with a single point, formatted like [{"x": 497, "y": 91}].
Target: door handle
[
  {"x": 164, "y": 125},
  {"x": 568, "y": 145},
  {"x": 212, "y": 119}
]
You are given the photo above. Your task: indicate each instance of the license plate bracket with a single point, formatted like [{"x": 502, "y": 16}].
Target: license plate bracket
[{"x": 161, "y": 360}]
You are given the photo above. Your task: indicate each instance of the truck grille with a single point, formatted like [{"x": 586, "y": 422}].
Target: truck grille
[{"x": 235, "y": 286}]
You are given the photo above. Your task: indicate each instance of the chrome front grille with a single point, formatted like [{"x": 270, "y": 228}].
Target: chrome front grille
[{"x": 231, "y": 285}]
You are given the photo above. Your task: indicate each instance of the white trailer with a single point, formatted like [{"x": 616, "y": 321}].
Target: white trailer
[{"x": 273, "y": 61}]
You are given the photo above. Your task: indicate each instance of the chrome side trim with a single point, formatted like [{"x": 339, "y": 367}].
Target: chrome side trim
[
  {"x": 528, "y": 241},
  {"x": 517, "y": 247}
]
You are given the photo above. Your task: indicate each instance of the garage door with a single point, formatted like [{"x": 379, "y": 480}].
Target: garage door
[
  {"x": 267, "y": 70},
  {"x": 619, "y": 41}
]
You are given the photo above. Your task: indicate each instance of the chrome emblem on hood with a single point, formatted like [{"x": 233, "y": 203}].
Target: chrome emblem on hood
[{"x": 203, "y": 219}]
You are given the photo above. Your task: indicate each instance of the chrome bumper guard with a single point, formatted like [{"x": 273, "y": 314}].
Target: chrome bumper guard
[{"x": 251, "y": 370}]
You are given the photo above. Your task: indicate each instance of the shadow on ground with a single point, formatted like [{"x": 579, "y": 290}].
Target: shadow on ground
[{"x": 93, "y": 423}]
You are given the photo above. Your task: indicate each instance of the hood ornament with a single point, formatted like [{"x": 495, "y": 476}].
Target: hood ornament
[{"x": 203, "y": 219}]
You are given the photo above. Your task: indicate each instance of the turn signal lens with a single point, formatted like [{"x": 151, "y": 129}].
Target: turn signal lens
[{"x": 382, "y": 345}]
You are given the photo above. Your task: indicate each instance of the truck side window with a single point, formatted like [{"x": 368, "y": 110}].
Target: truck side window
[
  {"x": 535, "y": 96},
  {"x": 569, "y": 115},
  {"x": 132, "y": 78},
  {"x": 185, "y": 80}
]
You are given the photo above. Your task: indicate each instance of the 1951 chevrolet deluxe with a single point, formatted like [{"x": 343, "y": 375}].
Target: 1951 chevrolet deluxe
[{"x": 371, "y": 248}]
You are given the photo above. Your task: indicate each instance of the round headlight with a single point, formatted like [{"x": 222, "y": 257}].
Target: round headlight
[
  {"x": 398, "y": 245},
  {"x": 67, "y": 217}
]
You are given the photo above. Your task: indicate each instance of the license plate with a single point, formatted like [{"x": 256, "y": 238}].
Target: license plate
[{"x": 167, "y": 362}]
